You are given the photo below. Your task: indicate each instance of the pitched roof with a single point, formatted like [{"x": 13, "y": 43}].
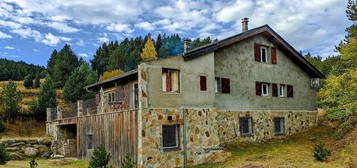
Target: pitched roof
[
  {"x": 272, "y": 36},
  {"x": 125, "y": 77}
]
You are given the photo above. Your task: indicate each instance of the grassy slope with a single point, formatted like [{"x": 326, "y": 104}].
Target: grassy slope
[
  {"x": 295, "y": 152},
  {"x": 66, "y": 163}
]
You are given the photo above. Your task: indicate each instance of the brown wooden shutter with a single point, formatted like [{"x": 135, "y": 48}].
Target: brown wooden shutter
[
  {"x": 203, "y": 83},
  {"x": 168, "y": 81},
  {"x": 257, "y": 52},
  {"x": 258, "y": 88},
  {"x": 273, "y": 55},
  {"x": 226, "y": 88},
  {"x": 290, "y": 91},
  {"x": 275, "y": 89}
]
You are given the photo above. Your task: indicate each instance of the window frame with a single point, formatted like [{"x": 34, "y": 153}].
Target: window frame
[
  {"x": 282, "y": 91},
  {"x": 281, "y": 121},
  {"x": 89, "y": 141},
  {"x": 266, "y": 54},
  {"x": 165, "y": 70},
  {"x": 136, "y": 96},
  {"x": 250, "y": 126},
  {"x": 219, "y": 85},
  {"x": 177, "y": 137},
  {"x": 267, "y": 89},
  {"x": 203, "y": 87}
]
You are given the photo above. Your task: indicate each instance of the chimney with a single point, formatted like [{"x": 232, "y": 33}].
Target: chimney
[
  {"x": 186, "y": 45},
  {"x": 245, "y": 24}
]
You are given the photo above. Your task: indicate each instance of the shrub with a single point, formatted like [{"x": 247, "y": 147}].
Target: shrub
[
  {"x": 2, "y": 126},
  {"x": 100, "y": 158},
  {"x": 33, "y": 163},
  {"x": 320, "y": 152},
  {"x": 4, "y": 156},
  {"x": 28, "y": 82},
  {"x": 127, "y": 162}
]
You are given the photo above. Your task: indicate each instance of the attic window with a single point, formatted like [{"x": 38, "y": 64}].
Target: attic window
[
  {"x": 170, "y": 80},
  {"x": 263, "y": 54}
]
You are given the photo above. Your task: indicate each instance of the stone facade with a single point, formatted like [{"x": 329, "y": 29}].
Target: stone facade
[
  {"x": 27, "y": 148},
  {"x": 201, "y": 136}
]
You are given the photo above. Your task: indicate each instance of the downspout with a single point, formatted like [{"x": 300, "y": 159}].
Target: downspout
[{"x": 184, "y": 138}]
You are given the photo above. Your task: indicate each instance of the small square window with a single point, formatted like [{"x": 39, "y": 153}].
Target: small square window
[
  {"x": 245, "y": 124},
  {"x": 170, "y": 136},
  {"x": 265, "y": 89},
  {"x": 264, "y": 54},
  {"x": 279, "y": 126},
  {"x": 282, "y": 90}
]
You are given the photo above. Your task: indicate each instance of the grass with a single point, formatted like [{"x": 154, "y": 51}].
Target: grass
[
  {"x": 55, "y": 163},
  {"x": 294, "y": 152},
  {"x": 24, "y": 128}
]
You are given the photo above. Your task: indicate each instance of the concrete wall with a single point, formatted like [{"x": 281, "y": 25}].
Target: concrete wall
[
  {"x": 190, "y": 71},
  {"x": 237, "y": 62}
]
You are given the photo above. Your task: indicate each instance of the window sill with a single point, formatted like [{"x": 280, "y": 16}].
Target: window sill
[
  {"x": 171, "y": 149},
  {"x": 173, "y": 93}
]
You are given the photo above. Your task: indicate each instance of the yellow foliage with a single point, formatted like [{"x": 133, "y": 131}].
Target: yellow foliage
[
  {"x": 110, "y": 74},
  {"x": 149, "y": 51},
  {"x": 349, "y": 51}
]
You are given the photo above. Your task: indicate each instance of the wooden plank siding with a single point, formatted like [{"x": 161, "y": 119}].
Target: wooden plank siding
[{"x": 117, "y": 131}]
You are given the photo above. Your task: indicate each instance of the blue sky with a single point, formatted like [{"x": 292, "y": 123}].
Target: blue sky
[{"x": 31, "y": 29}]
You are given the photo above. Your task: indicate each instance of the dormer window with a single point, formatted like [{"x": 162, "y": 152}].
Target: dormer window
[{"x": 263, "y": 54}]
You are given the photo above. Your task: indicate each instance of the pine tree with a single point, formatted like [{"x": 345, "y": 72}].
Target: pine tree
[
  {"x": 28, "y": 82},
  {"x": 46, "y": 99},
  {"x": 10, "y": 100},
  {"x": 37, "y": 82},
  {"x": 149, "y": 52},
  {"x": 74, "y": 87},
  {"x": 100, "y": 158},
  {"x": 51, "y": 62}
]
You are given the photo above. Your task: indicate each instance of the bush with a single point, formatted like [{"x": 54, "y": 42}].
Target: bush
[
  {"x": 127, "y": 162},
  {"x": 320, "y": 152},
  {"x": 2, "y": 126},
  {"x": 4, "y": 156},
  {"x": 28, "y": 82},
  {"x": 33, "y": 163},
  {"x": 100, "y": 158}
]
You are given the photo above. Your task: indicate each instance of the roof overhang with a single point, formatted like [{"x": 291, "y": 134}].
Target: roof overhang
[
  {"x": 111, "y": 82},
  {"x": 271, "y": 35}
]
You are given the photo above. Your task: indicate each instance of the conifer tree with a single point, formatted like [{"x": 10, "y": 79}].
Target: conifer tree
[
  {"x": 10, "y": 100},
  {"x": 149, "y": 51},
  {"x": 46, "y": 98}
]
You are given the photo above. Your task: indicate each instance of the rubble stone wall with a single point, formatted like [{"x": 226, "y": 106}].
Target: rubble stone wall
[{"x": 27, "y": 148}]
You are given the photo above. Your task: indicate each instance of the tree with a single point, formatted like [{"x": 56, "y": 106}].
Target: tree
[
  {"x": 10, "y": 100},
  {"x": 46, "y": 99},
  {"x": 110, "y": 74},
  {"x": 149, "y": 51},
  {"x": 352, "y": 10},
  {"x": 51, "y": 62},
  {"x": 37, "y": 82},
  {"x": 28, "y": 82},
  {"x": 64, "y": 64},
  {"x": 11, "y": 70},
  {"x": 100, "y": 158},
  {"x": 74, "y": 87}
]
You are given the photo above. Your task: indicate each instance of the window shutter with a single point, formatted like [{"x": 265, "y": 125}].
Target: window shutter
[
  {"x": 168, "y": 81},
  {"x": 290, "y": 92},
  {"x": 97, "y": 99},
  {"x": 257, "y": 52},
  {"x": 226, "y": 88},
  {"x": 258, "y": 88},
  {"x": 203, "y": 83},
  {"x": 275, "y": 89},
  {"x": 273, "y": 55}
]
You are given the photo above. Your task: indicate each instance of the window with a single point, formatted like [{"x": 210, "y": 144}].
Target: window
[
  {"x": 203, "y": 83},
  {"x": 90, "y": 141},
  {"x": 223, "y": 85},
  {"x": 282, "y": 90},
  {"x": 136, "y": 95},
  {"x": 264, "y": 54},
  {"x": 170, "y": 80},
  {"x": 290, "y": 91},
  {"x": 111, "y": 97},
  {"x": 265, "y": 89},
  {"x": 170, "y": 136},
  {"x": 279, "y": 127},
  {"x": 245, "y": 124}
]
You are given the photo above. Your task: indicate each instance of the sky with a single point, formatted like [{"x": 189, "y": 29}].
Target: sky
[{"x": 31, "y": 29}]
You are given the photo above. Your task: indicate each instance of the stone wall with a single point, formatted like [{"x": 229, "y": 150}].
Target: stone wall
[
  {"x": 27, "y": 148},
  {"x": 263, "y": 126},
  {"x": 202, "y": 137}
]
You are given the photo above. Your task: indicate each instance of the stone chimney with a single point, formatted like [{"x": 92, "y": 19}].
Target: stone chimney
[
  {"x": 186, "y": 45},
  {"x": 245, "y": 24}
]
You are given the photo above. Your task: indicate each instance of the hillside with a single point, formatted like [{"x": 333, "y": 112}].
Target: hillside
[{"x": 17, "y": 70}]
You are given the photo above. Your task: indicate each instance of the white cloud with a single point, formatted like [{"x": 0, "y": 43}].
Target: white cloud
[
  {"x": 10, "y": 24},
  {"x": 119, "y": 28},
  {"x": 9, "y": 47},
  {"x": 28, "y": 32},
  {"x": 53, "y": 40},
  {"x": 80, "y": 42},
  {"x": 83, "y": 55},
  {"x": 145, "y": 25},
  {"x": 103, "y": 39},
  {"x": 4, "y": 35},
  {"x": 63, "y": 27}
]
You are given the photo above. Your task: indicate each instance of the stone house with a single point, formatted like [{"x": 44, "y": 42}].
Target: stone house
[{"x": 181, "y": 110}]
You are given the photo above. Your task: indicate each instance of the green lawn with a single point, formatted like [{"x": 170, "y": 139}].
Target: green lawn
[
  {"x": 55, "y": 163},
  {"x": 294, "y": 152}
]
